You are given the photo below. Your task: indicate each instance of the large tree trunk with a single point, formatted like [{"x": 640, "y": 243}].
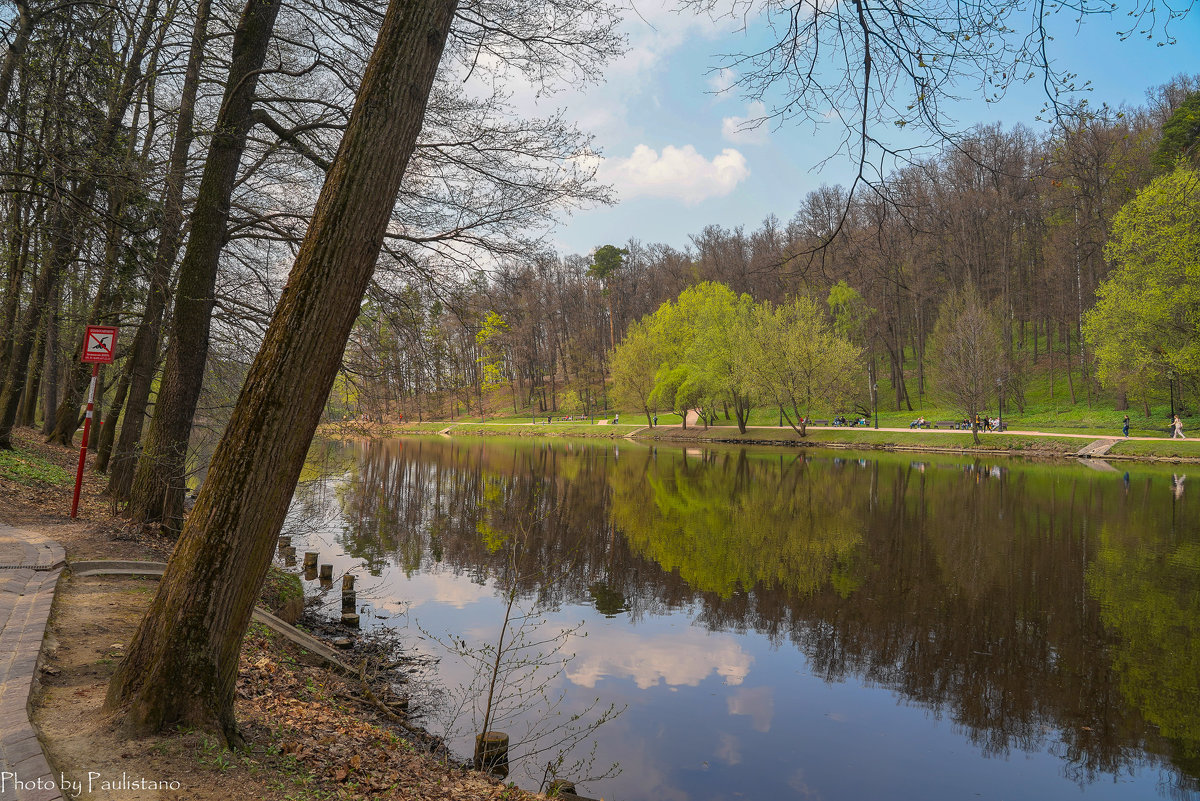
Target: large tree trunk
[
  {"x": 50, "y": 368},
  {"x": 158, "y": 483},
  {"x": 182, "y": 664},
  {"x": 108, "y": 427},
  {"x": 143, "y": 355}
]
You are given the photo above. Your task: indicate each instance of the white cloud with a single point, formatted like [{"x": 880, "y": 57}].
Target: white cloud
[
  {"x": 722, "y": 81},
  {"x": 729, "y": 750},
  {"x": 439, "y": 587},
  {"x": 676, "y": 659},
  {"x": 757, "y": 702},
  {"x": 678, "y": 172},
  {"x": 749, "y": 130}
]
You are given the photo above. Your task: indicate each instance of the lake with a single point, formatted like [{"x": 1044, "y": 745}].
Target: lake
[{"x": 769, "y": 623}]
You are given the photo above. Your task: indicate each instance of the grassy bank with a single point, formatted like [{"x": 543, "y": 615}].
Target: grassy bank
[{"x": 1047, "y": 444}]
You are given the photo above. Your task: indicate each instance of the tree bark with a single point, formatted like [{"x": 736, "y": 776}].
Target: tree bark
[
  {"x": 182, "y": 664},
  {"x": 158, "y": 484},
  {"x": 108, "y": 427}
]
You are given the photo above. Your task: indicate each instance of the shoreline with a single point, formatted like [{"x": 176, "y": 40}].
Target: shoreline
[
  {"x": 310, "y": 731},
  {"x": 1047, "y": 445}
]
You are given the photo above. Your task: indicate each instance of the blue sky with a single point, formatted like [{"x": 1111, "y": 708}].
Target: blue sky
[{"x": 674, "y": 154}]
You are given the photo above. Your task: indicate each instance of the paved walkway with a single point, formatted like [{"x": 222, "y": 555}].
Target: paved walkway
[{"x": 29, "y": 570}]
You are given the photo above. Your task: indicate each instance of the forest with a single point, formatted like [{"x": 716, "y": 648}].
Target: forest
[{"x": 1022, "y": 217}]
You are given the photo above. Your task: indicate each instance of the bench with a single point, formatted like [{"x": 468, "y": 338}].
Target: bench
[
  {"x": 818, "y": 422},
  {"x": 947, "y": 424}
]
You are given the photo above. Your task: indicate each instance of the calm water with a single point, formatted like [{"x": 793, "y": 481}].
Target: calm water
[{"x": 774, "y": 624}]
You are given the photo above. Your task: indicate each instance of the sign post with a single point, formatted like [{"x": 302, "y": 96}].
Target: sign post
[{"x": 99, "y": 347}]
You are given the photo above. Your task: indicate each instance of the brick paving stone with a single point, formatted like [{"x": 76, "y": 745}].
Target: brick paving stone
[
  {"x": 22, "y": 749},
  {"x": 30, "y": 567}
]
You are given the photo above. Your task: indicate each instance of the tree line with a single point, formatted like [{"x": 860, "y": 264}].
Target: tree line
[{"x": 1020, "y": 220}]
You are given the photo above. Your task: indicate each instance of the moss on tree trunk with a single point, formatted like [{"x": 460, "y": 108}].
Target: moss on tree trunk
[{"x": 182, "y": 664}]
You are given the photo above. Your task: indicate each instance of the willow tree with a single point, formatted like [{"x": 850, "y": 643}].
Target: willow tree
[{"x": 182, "y": 664}]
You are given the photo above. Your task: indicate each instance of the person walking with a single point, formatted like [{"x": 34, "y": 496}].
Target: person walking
[
  {"x": 1125, "y": 426},
  {"x": 1178, "y": 424}
]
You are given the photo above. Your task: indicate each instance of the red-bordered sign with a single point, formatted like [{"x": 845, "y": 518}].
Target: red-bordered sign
[{"x": 99, "y": 344}]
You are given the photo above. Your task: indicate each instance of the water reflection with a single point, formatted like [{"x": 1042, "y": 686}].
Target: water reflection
[{"x": 1040, "y": 609}]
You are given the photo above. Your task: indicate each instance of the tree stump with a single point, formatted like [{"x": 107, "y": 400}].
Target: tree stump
[
  {"x": 491, "y": 752},
  {"x": 561, "y": 788},
  {"x": 326, "y": 572},
  {"x": 310, "y": 560}
]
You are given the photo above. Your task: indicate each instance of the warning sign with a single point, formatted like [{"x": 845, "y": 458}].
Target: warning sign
[{"x": 99, "y": 344}]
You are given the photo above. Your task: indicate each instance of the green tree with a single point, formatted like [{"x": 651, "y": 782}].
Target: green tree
[
  {"x": 490, "y": 340},
  {"x": 634, "y": 365},
  {"x": 704, "y": 330},
  {"x": 607, "y": 262},
  {"x": 795, "y": 359},
  {"x": 669, "y": 390},
  {"x": 850, "y": 312},
  {"x": 1147, "y": 318},
  {"x": 1180, "y": 134}
]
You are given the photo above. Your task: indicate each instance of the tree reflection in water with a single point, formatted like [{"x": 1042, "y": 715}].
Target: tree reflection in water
[{"x": 1039, "y": 607}]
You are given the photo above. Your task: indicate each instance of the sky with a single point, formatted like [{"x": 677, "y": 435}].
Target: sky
[{"x": 678, "y": 158}]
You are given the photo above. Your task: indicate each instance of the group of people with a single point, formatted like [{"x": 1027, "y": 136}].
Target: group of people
[
  {"x": 840, "y": 420},
  {"x": 1176, "y": 428}
]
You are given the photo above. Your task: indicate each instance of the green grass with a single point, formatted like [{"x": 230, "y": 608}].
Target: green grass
[
  {"x": 425, "y": 427},
  {"x": 30, "y": 470},
  {"x": 542, "y": 430},
  {"x": 1167, "y": 448},
  {"x": 957, "y": 440}
]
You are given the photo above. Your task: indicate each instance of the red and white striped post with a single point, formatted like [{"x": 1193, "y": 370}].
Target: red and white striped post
[
  {"x": 99, "y": 347},
  {"x": 87, "y": 429}
]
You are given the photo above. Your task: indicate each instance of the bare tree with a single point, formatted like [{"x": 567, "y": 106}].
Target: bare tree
[{"x": 969, "y": 354}]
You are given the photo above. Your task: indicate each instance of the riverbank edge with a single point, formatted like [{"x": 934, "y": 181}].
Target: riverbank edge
[
  {"x": 1046, "y": 446},
  {"x": 40, "y": 505}
]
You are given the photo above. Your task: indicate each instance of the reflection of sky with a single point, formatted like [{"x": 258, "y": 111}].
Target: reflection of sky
[
  {"x": 728, "y": 714},
  {"x": 683, "y": 658}
]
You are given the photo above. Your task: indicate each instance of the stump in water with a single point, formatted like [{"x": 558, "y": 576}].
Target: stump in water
[
  {"x": 561, "y": 788},
  {"x": 310, "y": 560},
  {"x": 285, "y": 540},
  {"x": 491, "y": 752},
  {"x": 347, "y": 583},
  {"x": 350, "y": 619},
  {"x": 326, "y": 572},
  {"x": 289, "y": 556}
]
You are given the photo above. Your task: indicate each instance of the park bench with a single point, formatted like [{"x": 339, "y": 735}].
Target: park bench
[
  {"x": 818, "y": 422},
  {"x": 947, "y": 424}
]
